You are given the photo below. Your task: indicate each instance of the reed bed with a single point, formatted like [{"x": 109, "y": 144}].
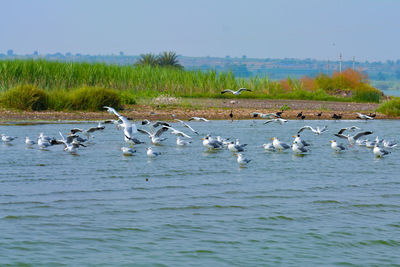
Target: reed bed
[
  {"x": 391, "y": 107},
  {"x": 134, "y": 82}
]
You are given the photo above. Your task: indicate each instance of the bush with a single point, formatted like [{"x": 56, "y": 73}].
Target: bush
[
  {"x": 59, "y": 100},
  {"x": 391, "y": 107},
  {"x": 25, "y": 97},
  {"x": 94, "y": 98},
  {"x": 366, "y": 93}
]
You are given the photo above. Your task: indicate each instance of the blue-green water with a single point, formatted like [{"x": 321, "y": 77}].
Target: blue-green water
[{"x": 200, "y": 208}]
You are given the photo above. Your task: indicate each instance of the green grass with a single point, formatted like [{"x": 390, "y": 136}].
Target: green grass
[
  {"x": 61, "y": 80},
  {"x": 391, "y": 107}
]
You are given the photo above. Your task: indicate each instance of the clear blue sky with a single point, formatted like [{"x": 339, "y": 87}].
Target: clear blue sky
[{"x": 320, "y": 29}]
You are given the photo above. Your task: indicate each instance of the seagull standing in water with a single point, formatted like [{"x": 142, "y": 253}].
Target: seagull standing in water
[
  {"x": 278, "y": 144},
  {"x": 151, "y": 153},
  {"x": 300, "y": 143},
  {"x": 211, "y": 143},
  {"x": 337, "y": 147},
  {"x": 379, "y": 152},
  {"x": 234, "y": 147},
  {"x": 127, "y": 151},
  {"x": 29, "y": 142},
  {"x": 389, "y": 144},
  {"x": 268, "y": 146},
  {"x": 297, "y": 148},
  {"x": 238, "y": 92},
  {"x": 181, "y": 142},
  {"x": 6, "y": 138},
  {"x": 242, "y": 160}
]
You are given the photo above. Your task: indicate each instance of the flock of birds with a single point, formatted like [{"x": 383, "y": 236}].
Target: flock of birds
[{"x": 155, "y": 130}]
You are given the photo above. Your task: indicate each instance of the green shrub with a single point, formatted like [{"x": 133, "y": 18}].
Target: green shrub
[
  {"x": 25, "y": 97},
  {"x": 391, "y": 107},
  {"x": 127, "y": 98},
  {"x": 59, "y": 100},
  {"x": 94, "y": 98}
]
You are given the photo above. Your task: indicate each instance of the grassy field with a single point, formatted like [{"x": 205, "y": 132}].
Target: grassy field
[{"x": 64, "y": 84}]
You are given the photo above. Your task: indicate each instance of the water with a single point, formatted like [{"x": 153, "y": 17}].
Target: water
[
  {"x": 200, "y": 208},
  {"x": 391, "y": 92}
]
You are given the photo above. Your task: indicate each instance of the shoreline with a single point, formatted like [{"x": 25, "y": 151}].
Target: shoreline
[{"x": 214, "y": 109}]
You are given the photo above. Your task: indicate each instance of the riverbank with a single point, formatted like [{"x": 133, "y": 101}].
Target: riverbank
[{"x": 209, "y": 108}]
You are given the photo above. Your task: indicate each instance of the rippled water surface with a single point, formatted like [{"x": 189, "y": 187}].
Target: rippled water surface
[{"x": 200, "y": 208}]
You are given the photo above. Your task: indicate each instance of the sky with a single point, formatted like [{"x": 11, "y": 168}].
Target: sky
[{"x": 317, "y": 29}]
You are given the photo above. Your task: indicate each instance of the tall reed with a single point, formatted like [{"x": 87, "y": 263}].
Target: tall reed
[{"x": 134, "y": 81}]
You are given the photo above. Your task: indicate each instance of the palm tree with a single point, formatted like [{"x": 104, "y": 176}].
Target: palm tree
[
  {"x": 169, "y": 59},
  {"x": 148, "y": 60}
]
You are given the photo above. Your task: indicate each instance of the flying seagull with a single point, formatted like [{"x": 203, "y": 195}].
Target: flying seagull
[
  {"x": 155, "y": 136},
  {"x": 176, "y": 132},
  {"x": 238, "y": 92},
  {"x": 198, "y": 119},
  {"x": 351, "y": 138},
  {"x": 187, "y": 126},
  {"x": 364, "y": 117},
  {"x": 87, "y": 132},
  {"x": 129, "y": 128},
  {"x": 317, "y": 131},
  {"x": 264, "y": 115}
]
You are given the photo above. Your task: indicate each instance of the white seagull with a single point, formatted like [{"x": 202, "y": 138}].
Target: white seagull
[
  {"x": 87, "y": 132},
  {"x": 210, "y": 143},
  {"x": 235, "y": 147},
  {"x": 127, "y": 151},
  {"x": 129, "y": 128},
  {"x": 364, "y": 117},
  {"x": 242, "y": 160},
  {"x": 155, "y": 136},
  {"x": 278, "y": 120},
  {"x": 389, "y": 144},
  {"x": 351, "y": 138},
  {"x": 297, "y": 148},
  {"x": 70, "y": 144},
  {"x": 337, "y": 147},
  {"x": 278, "y": 144},
  {"x": 198, "y": 119},
  {"x": 181, "y": 142},
  {"x": 151, "y": 153},
  {"x": 176, "y": 132},
  {"x": 264, "y": 115},
  {"x": 238, "y": 92},
  {"x": 300, "y": 143},
  {"x": 317, "y": 131},
  {"x": 268, "y": 146},
  {"x": 6, "y": 138},
  {"x": 29, "y": 142},
  {"x": 187, "y": 126},
  {"x": 379, "y": 152}
]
